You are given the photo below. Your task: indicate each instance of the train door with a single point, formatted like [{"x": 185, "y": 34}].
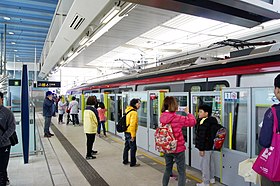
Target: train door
[
  {"x": 153, "y": 119},
  {"x": 213, "y": 100},
  {"x": 112, "y": 113},
  {"x": 236, "y": 114},
  {"x": 183, "y": 101},
  {"x": 262, "y": 99},
  {"x": 142, "y": 132},
  {"x": 124, "y": 103}
]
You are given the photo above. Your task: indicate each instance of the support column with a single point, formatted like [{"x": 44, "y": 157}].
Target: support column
[
  {"x": 83, "y": 105},
  {"x": 25, "y": 113},
  {"x": 106, "y": 103}
]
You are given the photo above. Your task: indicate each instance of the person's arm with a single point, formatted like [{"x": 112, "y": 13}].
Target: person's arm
[
  {"x": 266, "y": 130},
  {"x": 133, "y": 124},
  {"x": 11, "y": 127}
]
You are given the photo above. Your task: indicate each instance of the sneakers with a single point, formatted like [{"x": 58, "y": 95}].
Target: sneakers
[
  {"x": 212, "y": 180},
  {"x": 202, "y": 184},
  {"x": 51, "y": 134},
  {"x": 90, "y": 157},
  {"x": 136, "y": 165},
  {"x": 47, "y": 136},
  {"x": 94, "y": 152}
]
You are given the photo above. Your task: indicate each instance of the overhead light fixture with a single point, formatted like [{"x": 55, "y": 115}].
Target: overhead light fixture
[
  {"x": 13, "y": 43},
  {"x": 15, "y": 50},
  {"x": 70, "y": 53},
  {"x": 7, "y": 18},
  {"x": 112, "y": 13},
  {"x": 11, "y": 33},
  {"x": 83, "y": 40}
]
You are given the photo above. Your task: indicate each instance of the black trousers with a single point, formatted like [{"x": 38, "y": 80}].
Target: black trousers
[
  {"x": 90, "y": 141},
  {"x": 60, "y": 118},
  {"x": 75, "y": 119},
  {"x": 129, "y": 145},
  {"x": 4, "y": 160}
]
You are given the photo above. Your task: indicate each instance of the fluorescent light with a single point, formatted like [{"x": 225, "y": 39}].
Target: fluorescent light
[
  {"x": 7, "y": 18},
  {"x": 112, "y": 13},
  {"x": 13, "y": 43},
  {"x": 11, "y": 33},
  {"x": 70, "y": 53},
  {"x": 15, "y": 50},
  {"x": 83, "y": 40}
]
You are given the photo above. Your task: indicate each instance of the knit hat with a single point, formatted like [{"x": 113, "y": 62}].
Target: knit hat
[
  {"x": 48, "y": 93},
  {"x": 277, "y": 81}
]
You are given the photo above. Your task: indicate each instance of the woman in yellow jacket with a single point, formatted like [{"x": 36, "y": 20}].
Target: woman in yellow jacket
[
  {"x": 130, "y": 133},
  {"x": 91, "y": 121}
]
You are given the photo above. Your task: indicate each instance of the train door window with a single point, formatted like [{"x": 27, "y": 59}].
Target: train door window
[
  {"x": 218, "y": 87},
  {"x": 195, "y": 88},
  {"x": 112, "y": 108},
  {"x": 154, "y": 110}
]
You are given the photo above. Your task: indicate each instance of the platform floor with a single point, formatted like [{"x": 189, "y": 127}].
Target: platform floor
[{"x": 62, "y": 162}]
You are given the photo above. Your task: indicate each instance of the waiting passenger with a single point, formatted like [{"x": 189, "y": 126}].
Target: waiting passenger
[
  {"x": 61, "y": 110},
  {"x": 47, "y": 113},
  {"x": 101, "y": 113},
  {"x": 74, "y": 110},
  {"x": 169, "y": 116},
  {"x": 130, "y": 133},
  {"x": 90, "y": 126},
  {"x": 7, "y": 122},
  {"x": 267, "y": 128},
  {"x": 205, "y": 145}
]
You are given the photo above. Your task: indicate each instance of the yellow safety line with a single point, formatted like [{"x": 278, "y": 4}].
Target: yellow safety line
[
  {"x": 230, "y": 130},
  {"x": 158, "y": 161}
]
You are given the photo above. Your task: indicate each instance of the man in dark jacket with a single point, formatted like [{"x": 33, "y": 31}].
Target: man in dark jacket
[
  {"x": 47, "y": 113},
  {"x": 204, "y": 143},
  {"x": 7, "y": 122},
  {"x": 267, "y": 128}
]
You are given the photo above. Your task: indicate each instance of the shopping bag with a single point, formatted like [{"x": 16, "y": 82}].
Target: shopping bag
[{"x": 268, "y": 161}]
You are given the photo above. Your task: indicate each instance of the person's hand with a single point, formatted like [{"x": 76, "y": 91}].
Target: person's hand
[
  {"x": 201, "y": 153},
  {"x": 186, "y": 110},
  {"x": 132, "y": 139}
]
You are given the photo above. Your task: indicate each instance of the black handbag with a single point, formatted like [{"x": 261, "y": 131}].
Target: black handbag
[{"x": 13, "y": 138}]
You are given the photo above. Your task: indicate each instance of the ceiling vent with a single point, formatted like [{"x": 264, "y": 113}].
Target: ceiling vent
[{"x": 77, "y": 21}]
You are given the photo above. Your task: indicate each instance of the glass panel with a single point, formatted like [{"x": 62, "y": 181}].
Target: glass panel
[
  {"x": 195, "y": 89},
  {"x": 236, "y": 120},
  {"x": 263, "y": 98},
  {"x": 212, "y": 101},
  {"x": 219, "y": 87},
  {"x": 142, "y": 111},
  {"x": 119, "y": 107},
  {"x": 112, "y": 108},
  {"x": 154, "y": 110}
]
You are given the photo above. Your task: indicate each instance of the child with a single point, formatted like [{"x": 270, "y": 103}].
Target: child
[
  {"x": 101, "y": 113},
  {"x": 204, "y": 144}
]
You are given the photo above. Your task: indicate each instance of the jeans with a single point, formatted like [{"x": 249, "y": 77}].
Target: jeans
[
  {"x": 90, "y": 141},
  {"x": 48, "y": 120},
  {"x": 181, "y": 167},
  {"x": 4, "y": 160},
  {"x": 129, "y": 145},
  {"x": 102, "y": 123}
]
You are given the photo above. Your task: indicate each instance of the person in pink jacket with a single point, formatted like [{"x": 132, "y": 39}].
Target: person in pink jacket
[{"x": 169, "y": 116}]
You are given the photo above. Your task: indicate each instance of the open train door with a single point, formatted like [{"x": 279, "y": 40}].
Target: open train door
[
  {"x": 236, "y": 114},
  {"x": 212, "y": 99},
  {"x": 183, "y": 101},
  {"x": 114, "y": 111}
]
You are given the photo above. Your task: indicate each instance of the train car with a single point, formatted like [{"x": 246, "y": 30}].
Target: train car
[{"x": 238, "y": 89}]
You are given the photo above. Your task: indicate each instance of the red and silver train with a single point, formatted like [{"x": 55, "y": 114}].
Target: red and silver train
[{"x": 239, "y": 90}]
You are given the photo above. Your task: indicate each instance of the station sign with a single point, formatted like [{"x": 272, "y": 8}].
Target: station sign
[
  {"x": 14, "y": 82},
  {"x": 48, "y": 84}
]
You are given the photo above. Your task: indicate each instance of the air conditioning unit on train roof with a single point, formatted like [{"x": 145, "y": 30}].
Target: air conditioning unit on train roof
[{"x": 206, "y": 59}]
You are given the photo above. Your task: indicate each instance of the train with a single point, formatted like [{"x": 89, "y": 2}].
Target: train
[{"x": 239, "y": 89}]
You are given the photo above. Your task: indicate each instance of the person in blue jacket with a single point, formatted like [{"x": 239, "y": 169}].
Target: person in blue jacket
[
  {"x": 48, "y": 113},
  {"x": 267, "y": 128}
]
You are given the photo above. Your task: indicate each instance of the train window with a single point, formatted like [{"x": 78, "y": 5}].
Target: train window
[
  {"x": 195, "y": 88},
  {"x": 111, "y": 104},
  {"x": 218, "y": 87}
]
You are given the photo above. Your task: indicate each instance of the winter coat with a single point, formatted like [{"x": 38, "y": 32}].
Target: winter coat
[
  {"x": 74, "y": 107},
  {"x": 267, "y": 127},
  {"x": 203, "y": 134},
  {"x": 61, "y": 107},
  {"x": 90, "y": 120},
  {"x": 8, "y": 123},
  {"x": 177, "y": 122},
  {"x": 47, "y": 107},
  {"x": 132, "y": 121},
  {"x": 101, "y": 114}
]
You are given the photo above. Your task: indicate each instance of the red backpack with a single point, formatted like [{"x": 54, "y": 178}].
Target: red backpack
[{"x": 165, "y": 141}]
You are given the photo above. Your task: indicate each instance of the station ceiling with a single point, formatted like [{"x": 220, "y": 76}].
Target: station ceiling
[{"x": 27, "y": 24}]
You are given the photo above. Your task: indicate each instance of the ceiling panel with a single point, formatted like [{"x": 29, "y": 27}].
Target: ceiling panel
[{"x": 29, "y": 22}]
